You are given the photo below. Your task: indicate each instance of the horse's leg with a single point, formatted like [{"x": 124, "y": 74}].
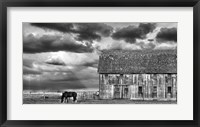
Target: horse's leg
[
  {"x": 67, "y": 99},
  {"x": 74, "y": 99},
  {"x": 62, "y": 99}
]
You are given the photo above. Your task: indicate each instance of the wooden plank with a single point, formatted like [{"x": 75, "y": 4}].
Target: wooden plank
[
  {"x": 148, "y": 90},
  {"x": 174, "y": 84},
  {"x": 146, "y": 87},
  {"x": 158, "y": 87},
  {"x": 136, "y": 87},
  {"x": 162, "y": 85}
]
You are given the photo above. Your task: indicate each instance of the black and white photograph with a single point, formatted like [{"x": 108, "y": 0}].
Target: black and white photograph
[{"x": 100, "y": 63}]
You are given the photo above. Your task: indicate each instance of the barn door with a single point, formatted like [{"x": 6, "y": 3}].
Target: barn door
[
  {"x": 121, "y": 91},
  {"x": 125, "y": 91},
  {"x": 117, "y": 91}
]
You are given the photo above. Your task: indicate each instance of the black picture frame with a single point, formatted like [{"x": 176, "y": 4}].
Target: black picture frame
[{"x": 99, "y": 3}]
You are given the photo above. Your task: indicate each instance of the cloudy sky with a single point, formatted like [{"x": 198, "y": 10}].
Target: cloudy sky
[{"x": 58, "y": 56}]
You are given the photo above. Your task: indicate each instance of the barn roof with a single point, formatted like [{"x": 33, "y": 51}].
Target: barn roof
[{"x": 138, "y": 61}]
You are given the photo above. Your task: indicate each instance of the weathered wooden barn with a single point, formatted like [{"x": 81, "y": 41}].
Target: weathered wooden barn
[{"x": 138, "y": 75}]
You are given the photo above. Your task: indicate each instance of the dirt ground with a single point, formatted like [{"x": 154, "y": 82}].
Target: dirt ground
[{"x": 55, "y": 99}]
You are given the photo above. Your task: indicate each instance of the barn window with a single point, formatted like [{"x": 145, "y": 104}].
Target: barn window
[
  {"x": 140, "y": 93},
  {"x": 117, "y": 81},
  {"x": 169, "y": 89},
  {"x": 154, "y": 89},
  {"x": 140, "y": 89},
  {"x": 169, "y": 92}
]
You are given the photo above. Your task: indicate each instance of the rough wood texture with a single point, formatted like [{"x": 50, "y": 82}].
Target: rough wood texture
[{"x": 138, "y": 86}]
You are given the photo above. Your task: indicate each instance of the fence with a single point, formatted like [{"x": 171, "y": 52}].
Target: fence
[{"x": 83, "y": 95}]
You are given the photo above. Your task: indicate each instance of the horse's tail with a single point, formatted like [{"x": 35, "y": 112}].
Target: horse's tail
[{"x": 62, "y": 98}]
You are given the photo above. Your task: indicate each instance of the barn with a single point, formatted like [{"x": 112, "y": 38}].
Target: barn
[{"x": 138, "y": 74}]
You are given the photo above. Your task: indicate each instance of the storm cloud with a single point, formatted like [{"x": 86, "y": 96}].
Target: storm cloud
[
  {"x": 62, "y": 27},
  {"x": 167, "y": 34},
  {"x": 131, "y": 33},
  {"x": 47, "y": 43},
  {"x": 27, "y": 71},
  {"x": 55, "y": 61},
  {"x": 84, "y": 31}
]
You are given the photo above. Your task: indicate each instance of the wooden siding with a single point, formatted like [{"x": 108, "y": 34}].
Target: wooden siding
[{"x": 138, "y": 86}]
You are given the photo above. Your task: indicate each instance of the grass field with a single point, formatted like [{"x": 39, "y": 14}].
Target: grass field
[{"x": 55, "y": 99}]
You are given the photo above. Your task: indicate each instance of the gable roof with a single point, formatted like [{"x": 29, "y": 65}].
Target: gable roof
[{"x": 138, "y": 61}]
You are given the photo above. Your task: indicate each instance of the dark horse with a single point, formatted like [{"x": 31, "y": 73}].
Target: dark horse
[{"x": 67, "y": 95}]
